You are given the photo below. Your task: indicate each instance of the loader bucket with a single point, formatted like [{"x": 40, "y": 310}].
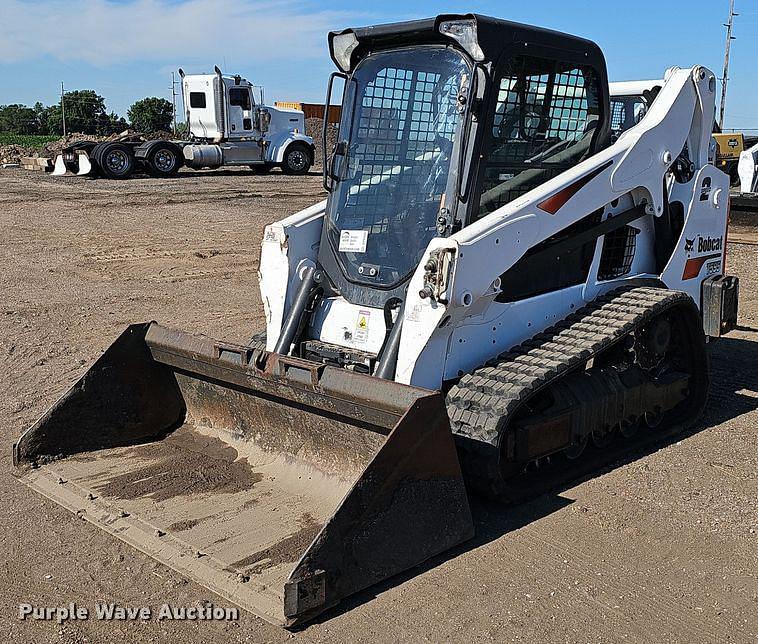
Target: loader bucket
[{"x": 281, "y": 484}]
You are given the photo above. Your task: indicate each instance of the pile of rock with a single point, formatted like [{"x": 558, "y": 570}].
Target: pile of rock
[
  {"x": 17, "y": 153},
  {"x": 22, "y": 154},
  {"x": 55, "y": 147},
  {"x": 12, "y": 154},
  {"x": 314, "y": 128}
]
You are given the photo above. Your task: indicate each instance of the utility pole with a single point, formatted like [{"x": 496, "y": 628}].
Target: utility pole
[
  {"x": 725, "y": 79},
  {"x": 63, "y": 110},
  {"x": 173, "y": 98}
]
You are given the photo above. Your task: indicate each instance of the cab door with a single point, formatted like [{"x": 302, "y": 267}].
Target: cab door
[{"x": 240, "y": 112}]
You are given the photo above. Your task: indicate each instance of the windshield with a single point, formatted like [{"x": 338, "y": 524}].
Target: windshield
[{"x": 400, "y": 116}]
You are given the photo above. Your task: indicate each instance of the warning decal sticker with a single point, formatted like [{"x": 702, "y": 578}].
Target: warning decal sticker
[
  {"x": 353, "y": 241},
  {"x": 361, "y": 326}
]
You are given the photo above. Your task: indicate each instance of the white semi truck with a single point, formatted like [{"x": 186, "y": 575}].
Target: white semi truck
[{"x": 226, "y": 127}]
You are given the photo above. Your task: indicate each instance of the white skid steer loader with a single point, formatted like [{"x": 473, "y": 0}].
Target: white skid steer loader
[
  {"x": 748, "y": 170},
  {"x": 490, "y": 286}
]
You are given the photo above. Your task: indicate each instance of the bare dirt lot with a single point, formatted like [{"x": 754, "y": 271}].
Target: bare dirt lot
[{"x": 661, "y": 548}]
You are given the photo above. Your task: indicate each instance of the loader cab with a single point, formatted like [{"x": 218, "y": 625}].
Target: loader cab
[
  {"x": 445, "y": 120},
  {"x": 630, "y": 101}
]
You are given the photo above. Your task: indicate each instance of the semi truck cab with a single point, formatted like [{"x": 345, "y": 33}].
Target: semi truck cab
[{"x": 230, "y": 125}]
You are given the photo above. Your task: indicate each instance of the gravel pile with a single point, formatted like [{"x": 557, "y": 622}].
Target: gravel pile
[
  {"x": 313, "y": 128},
  {"x": 51, "y": 149},
  {"x": 13, "y": 153}
]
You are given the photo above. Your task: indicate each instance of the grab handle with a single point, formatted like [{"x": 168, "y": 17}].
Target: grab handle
[{"x": 283, "y": 365}]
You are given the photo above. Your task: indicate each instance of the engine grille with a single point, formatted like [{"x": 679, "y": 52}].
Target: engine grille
[{"x": 619, "y": 247}]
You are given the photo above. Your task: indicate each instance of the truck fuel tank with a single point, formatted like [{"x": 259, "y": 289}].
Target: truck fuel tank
[{"x": 203, "y": 156}]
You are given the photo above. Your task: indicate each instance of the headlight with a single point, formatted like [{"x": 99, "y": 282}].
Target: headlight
[
  {"x": 463, "y": 32},
  {"x": 343, "y": 46}
]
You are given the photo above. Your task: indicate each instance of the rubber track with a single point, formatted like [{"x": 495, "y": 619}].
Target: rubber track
[{"x": 482, "y": 402}]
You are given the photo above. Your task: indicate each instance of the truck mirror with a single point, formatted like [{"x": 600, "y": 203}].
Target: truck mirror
[{"x": 263, "y": 120}]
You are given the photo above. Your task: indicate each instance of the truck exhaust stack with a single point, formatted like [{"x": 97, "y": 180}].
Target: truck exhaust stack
[{"x": 281, "y": 485}]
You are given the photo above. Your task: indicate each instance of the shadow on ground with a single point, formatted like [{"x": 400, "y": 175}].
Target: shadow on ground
[
  {"x": 733, "y": 374},
  {"x": 239, "y": 172}
]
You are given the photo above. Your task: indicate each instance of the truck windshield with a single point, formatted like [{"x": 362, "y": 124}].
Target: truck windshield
[{"x": 400, "y": 117}]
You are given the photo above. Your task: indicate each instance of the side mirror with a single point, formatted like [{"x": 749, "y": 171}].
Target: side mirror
[{"x": 262, "y": 120}]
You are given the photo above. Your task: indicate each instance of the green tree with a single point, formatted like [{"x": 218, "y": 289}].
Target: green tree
[
  {"x": 50, "y": 120},
  {"x": 108, "y": 124},
  {"x": 151, "y": 114},
  {"x": 41, "y": 114},
  {"x": 18, "y": 119},
  {"x": 85, "y": 112},
  {"x": 116, "y": 123},
  {"x": 182, "y": 130}
]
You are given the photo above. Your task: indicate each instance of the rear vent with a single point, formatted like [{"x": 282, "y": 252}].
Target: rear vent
[{"x": 618, "y": 253}]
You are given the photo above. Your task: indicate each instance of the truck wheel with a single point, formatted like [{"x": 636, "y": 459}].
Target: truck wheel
[
  {"x": 116, "y": 161},
  {"x": 163, "y": 160},
  {"x": 297, "y": 159}
]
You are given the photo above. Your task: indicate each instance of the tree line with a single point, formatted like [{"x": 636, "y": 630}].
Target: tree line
[{"x": 86, "y": 112}]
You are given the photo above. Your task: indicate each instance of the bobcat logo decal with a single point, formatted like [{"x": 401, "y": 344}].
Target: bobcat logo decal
[{"x": 688, "y": 245}]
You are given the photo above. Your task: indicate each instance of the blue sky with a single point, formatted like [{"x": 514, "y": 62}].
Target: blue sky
[{"x": 126, "y": 49}]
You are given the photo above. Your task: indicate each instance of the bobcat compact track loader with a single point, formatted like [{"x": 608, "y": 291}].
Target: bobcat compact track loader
[
  {"x": 748, "y": 170},
  {"x": 492, "y": 292}
]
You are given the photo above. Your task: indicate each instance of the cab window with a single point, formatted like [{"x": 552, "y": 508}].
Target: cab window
[
  {"x": 626, "y": 112},
  {"x": 543, "y": 122},
  {"x": 239, "y": 97},
  {"x": 197, "y": 100},
  {"x": 618, "y": 115}
]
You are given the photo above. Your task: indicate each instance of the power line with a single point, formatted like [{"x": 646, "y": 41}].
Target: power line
[
  {"x": 725, "y": 79},
  {"x": 63, "y": 109}
]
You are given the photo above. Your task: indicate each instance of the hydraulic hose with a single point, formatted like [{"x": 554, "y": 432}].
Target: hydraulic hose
[
  {"x": 292, "y": 322},
  {"x": 388, "y": 362}
]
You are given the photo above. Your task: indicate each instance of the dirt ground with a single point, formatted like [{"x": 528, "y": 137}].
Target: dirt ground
[{"x": 662, "y": 548}]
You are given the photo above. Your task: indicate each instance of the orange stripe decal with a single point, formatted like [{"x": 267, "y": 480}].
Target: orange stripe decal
[
  {"x": 553, "y": 204},
  {"x": 693, "y": 266}
]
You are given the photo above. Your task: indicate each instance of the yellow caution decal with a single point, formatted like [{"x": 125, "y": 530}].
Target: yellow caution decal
[{"x": 361, "y": 326}]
